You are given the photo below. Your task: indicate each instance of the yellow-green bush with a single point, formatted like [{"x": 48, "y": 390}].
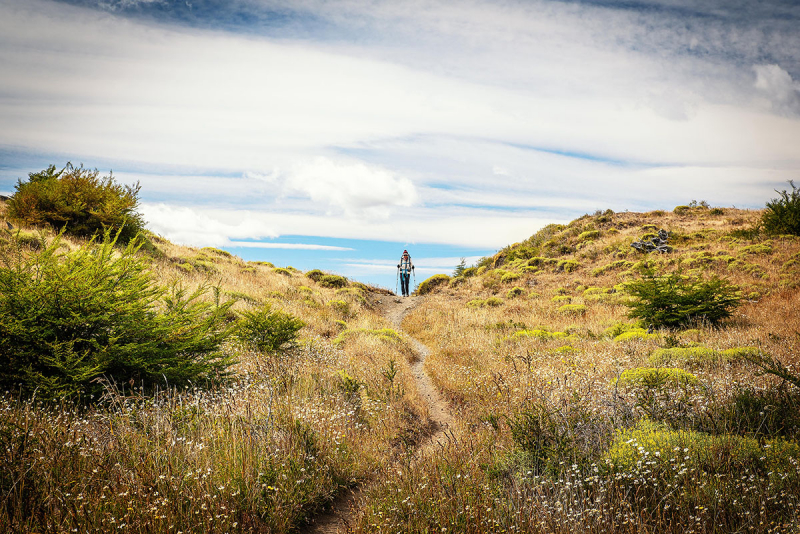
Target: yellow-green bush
[
  {"x": 573, "y": 309},
  {"x": 432, "y": 283},
  {"x": 568, "y": 266},
  {"x": 562, "y": 298},
  {"x": 282, "y": 271},
  {"x": 339, "y": 306},
  {"x": 509, "y": 277},
  {"x": 636, "y": 334},
  {"x": 543, "y": 335},
  {"x": 515, "y": 292},
  {"x": 332, "y": 280}
]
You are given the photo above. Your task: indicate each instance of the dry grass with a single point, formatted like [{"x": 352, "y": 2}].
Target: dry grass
[{"x": 554, "y": 475}]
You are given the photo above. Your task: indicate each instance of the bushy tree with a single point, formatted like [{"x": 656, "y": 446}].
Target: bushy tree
[
  {"x": 782, "y": 215},
  {"x": 673, "y": 300},
  {"x": 78, "y": 200},
  {"x": 267, "y": 330},
  {"x": 67, "y": 319}
]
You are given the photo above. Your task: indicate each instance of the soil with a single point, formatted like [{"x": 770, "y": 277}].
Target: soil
[{"x": 394, "y": 308}]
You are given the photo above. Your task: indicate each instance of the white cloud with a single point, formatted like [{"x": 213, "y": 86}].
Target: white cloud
[
  {"x": 192, "y": 226},
  {"x": 355, "y": 188},
  {"x": 288, "y": 246},
  {"x": 778, "y": 86}
]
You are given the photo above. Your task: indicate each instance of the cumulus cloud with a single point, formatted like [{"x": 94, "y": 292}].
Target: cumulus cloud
[
  {"x": 354, "y": 188},
  {"x": 777, "y": 85},
  {"x": 191, "y": 226}
]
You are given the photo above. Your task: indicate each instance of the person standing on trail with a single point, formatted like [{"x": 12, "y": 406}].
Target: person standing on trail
[{"x": 406, "y": 267}]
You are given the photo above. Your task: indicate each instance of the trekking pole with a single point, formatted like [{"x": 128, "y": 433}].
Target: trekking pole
[
  {"x": 414, "y": 274},
  {"x": 397, "y": 281}
]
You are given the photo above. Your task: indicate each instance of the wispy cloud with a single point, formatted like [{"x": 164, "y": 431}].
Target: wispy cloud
[
  {"x": 427, "y": 121},
  {"x": 288, "y": 246}
]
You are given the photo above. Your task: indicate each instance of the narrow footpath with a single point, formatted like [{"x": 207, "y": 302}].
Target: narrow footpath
[{"x": 339, "y": 518}]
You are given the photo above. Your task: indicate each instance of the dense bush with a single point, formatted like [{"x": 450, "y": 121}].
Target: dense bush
[
  {"x": 268, "y": 331},
  {"x": 782, "y": 215},
  {"x": 673, "y": 300},
  {"x": 78, "y": 200},
  {"x": 431, "y": 283},
  {"x": 332, "y": 280},
  {"x": 68, "y": 319}
]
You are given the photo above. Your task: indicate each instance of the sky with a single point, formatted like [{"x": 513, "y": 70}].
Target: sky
[{"x": 334, "y": 134}]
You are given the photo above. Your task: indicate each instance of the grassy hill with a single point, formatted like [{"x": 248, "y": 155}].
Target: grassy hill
[
  {"x": 568, "y": 416},
  {"x": 580, "y": 419}
]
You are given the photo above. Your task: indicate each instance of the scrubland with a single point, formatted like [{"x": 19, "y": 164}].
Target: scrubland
[
  {"x": 568, "y": 416},
  {"x": 575, "y": 418}
]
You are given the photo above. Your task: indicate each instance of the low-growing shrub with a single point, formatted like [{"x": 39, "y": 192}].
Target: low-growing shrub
[
  {"x": 636, "y": 334},
  {"x": 79, "y": 201},
  {"x": 268, "y": 331},
  {"x": 543, "y": 335},
  {"x": 663, "y": 393},
  {"x": 432, "y": 283},
  {"x": 509, "y": 277},
  {"x": 562, "y": 298},
  {"x": 281, "y": 271},
  {"x": 332, "y": 280},
  {"x": 573, "y": 309},
  {"x": 217, "y": 251},
  {"x": 315, "y": 274},
  {"x": 515, "y": 292},
  {"x": 68, "y": 319},
  {"x": 568, "y": 266},
  {"x": 589, "y": 235},
  {"x": 672, "y": 300},
  {"x": 782, "y": 215}
]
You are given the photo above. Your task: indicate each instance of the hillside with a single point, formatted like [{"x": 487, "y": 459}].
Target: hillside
[{"x": 532, "y": 404}]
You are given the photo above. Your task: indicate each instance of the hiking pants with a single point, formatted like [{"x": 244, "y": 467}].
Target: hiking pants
[{"x": 404, "y": 278}]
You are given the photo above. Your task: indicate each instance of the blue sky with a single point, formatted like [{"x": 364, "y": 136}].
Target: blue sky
[{"x": 338, "y": 133}]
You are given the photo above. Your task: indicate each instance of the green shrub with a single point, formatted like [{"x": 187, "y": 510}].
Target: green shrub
[
  {"x": 515, "y": 292},
  {"x": 589, "y": 235},
  {"x": 542, "y": 335},
  {"x": 432, "y": 283},
  {"x": 281, "y": 271},
  {"x": 332, "y": 280},
  {"x": 509, "y": 277},
  {"x": 562, "y": 298},
  {"x": 315, "y": 274},
  {"x": 469, "y": 271},
  {"x": 573, "y": 309},
  {"x": 568, "y": 266},
  {"x": 759, "y": 248},
  {"x": 476, "y": 303},
  {"x": 79, "y": 201},
  {"x": 217, "y": 251},
  {"x": 268, "y": 331},
  {"x": 637, "y": 334},
  {"x": 698, "y": 451},
  {"x": 681, "y": 210},
  {"x": 673, "y": 300},
  {"x": 263, "y": 263},
  {"x": 493, "y": 302},
  {"x": 620, "y": 328},
  {"x": 68, "y": 319},
  {"x": 782, "y": 215}
]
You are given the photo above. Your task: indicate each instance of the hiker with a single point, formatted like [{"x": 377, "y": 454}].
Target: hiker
[{"x": 406, "y": 267}]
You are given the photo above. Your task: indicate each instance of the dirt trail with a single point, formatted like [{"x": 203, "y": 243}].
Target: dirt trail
[{"x": 339, "y": 518}]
